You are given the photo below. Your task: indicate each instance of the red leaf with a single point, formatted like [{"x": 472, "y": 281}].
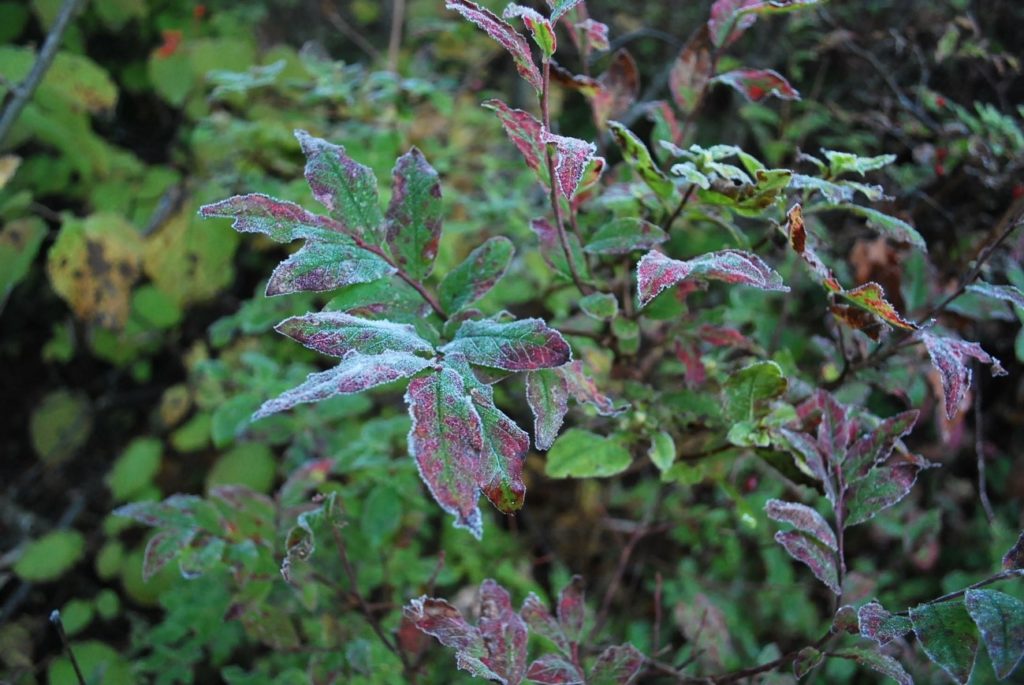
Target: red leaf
[
  {"x": 438, "y": 618},
  {"x": 574, "y": 155},
  {"x": 727, "y": 23},
  {"x": 875, "y": 446},
  {"x": 757, "y": 84},
  {"x": 571, "y": 609},
  {"x": 414, "y": 214},
  {"x": 446, "y": 440},
  {"x": 951, "y": 358},
  {"x": 339, "y": 334},
  {"x": 523, "y": 345},
  {"x": 505, "y": 449},
  {"x": 505, "y": 35},
  {"x": 617, "y": 665},
  {"x": 691, "y": 72},
  {"x": 585, "y": 391},
  {"x": 525, "y": 132},
  {"x": 541, "y": 622},
  {"x": 871, "y": 297},
  {"x": 797, "y": 232},
  {"x": 619, "y": 88},
  {"x": 595, "y": 32},
  {"x": 656, "y": 272},
  {"x": 540, "y": 28},
  {"x": 882, "y": 487},
  {"x": 552, "y": 669},
  {"x": 879, "y": 625},
  {"x": 802, "y": 518},
  {"x": 816, "y": 556},
  {"x": 278, "y": 220}
]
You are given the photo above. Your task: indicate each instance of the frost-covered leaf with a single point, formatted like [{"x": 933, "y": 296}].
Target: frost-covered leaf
[
  {"x": 639, "y": 158},
  {"x": 525, "y": 132},
  {"x": 541, "y": 29},
  {"x": 876, "y": 661},
  {"x": 656, "y": 272},
  {"x": 355, "y": 373},
  {"x": 581, "y": 454},
  {"x": 523, "y": 345},
  {"x": 951, "y": 358},
  {"x": 727, "y": 21},
  {"x": 871, "y": 297},
  {"x": 889, "y": 226},
  {"x": 446, "y": 440},
  {"x": 690, "y": 73},
  {"x": 388, "y": 298},
  {"x": 1014, "y": 558},
  {"x": 600, "y": 306},
  {"x": 1006, "y": 293},
  {"x": 504, "y": 451},
  {"x": 819, "y": 558},
  {"x": 1000, "y": 618},
  {"x": 505, "y": 35},
  {"x": 879, "y": 625},
  {"x": 476, "y": 275},
  {"x": 584, "y": 390},
  {"x": 494, "y": 649},
  {"x": 834, "y": 193},
  {"x": 875, "y": 446},
  {"x": 616, "y": 665},
  {"x": 622, "y": 236},
  {"x": 279, "y": 220},
  {"x": 571, "y": 609},
  {"x": 414, "y": 214},
  {"x": 595, "y": 32},
  {"x": 547, "y": 393},
  {"x": 757, "y": 84},
  {"x": 845, "y": 162},
  {"x": 802, "y": 518},
  {"x": 552, "y": 669},
  {"x": 320, "y": 266},
  {"x": 948, "y": 636},
  {"x": 552, "y": 252},
  {"x": 573, "y": 157},
  {"x": 541, "y": 622},
  {"x": 338, "y": 334},
  {"x": 346, "y": 188},
  {"x": 845, "y": 620},
  {"x": 693, "y": 176},
  {"x": 560, "y": 7}
]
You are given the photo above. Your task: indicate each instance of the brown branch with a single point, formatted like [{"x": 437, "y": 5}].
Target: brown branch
[{"x": 23, "y": 93}]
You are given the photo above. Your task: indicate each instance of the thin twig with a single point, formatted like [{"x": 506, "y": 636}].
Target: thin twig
[
  {"x": 58, "y": 624},
  {"x": 346, "y": 29},
  {"x": 27, "y": 88},
  {"x": 395, "y": 41},
  {"x": 1005, "y": 575},
  {"x": 979, "y": 451}
]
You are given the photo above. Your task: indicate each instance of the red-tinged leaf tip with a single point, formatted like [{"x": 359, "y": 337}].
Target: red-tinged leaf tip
[
  {"x": 414, "y": 214},
  {"x": 802, "y": 518},
  {"x": 279, "y": 220},
  {"x": 757, "y": 84},
  {"x": 540, "y": 28},
  {"x": 871, "y": 297},
  {"x": 446, "y": 441},
  {"x": 726, "y": 22},
  {"x": 584, "y": 390},
  {"x": 796, "y": 229},
  {"x": 524, "y": 345},
  {"x": 656, "y": 272},
  {"x": 439, "y": 619},
  {"x": 617, "y": 665},
  {"x": 948, "y": 636},
  {"x": 345, "y": 187},
  {"x": 552, "y": 669},
  {"x": 1000, "y": 618},
  {"x": 1013, "y": 560},
  {"x": 875, "y": 446},
  {"x": 547, "y": 393},
  {"x": 951, "y": 358},
  {"x": 572, "y": 609},
  {"x": 355, "y": 373},
  {"x": 525, "y": 132},
  {"x": 574, "y": 155},
  {"x": 338, "y": 334},
  {"x": 882, "y": 487},
  {"x": 816, "y": 556},
  {"x": 595, "y": 32},
  {"x": 505, "y": 448},
  {"x": 504, "y": 633},
  {"x": 875, "y": 623},
  {"x": 505, "y": 35}
]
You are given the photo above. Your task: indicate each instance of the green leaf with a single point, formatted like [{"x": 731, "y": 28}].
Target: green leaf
[
  {"x": 582, "y": 454},
  {"x": 622, "y": 236},
  {"x": 888, "y": 226},
  {"x": 876, "y": 661},
  {"x": 250, "y": 464},
  {"x": 60, "y": 425},
  {"x": 948, "y": 636},
  {"x": 72, "y": 81},
  {"x": 600, "y": 306},
  {"x": 1000, "y": 618},
  {"x": 134, "y": 470},
  {"x": 47, "y": 558},
  {"x": 189, "y": 260},
  {"x": 847, "y": 162},
  {"x": 414, "y": 214},
  {"x": 748, "y": 390},
  {"x": 476, "y": 275},
  {"x": 20, "y": 241},
  {"x": 662, "y": 451},
  {"x": 547, "y": 393},
  {"x": 639, "y": 158}
]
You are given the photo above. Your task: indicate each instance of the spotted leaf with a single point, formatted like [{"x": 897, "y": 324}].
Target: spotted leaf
[
  {"x": 948, "y": 636},
  {"x": 355, "y": 373},
  {"x": 446, "y": 440},
  {"x": 951, "y": 358},
  {"x": 871, "y": 297},
  {"x": 346, "y": 188},
  {"x": 278, "y": 220},
  {"x": 882, "y": 487},
  {"x": 547, "y": 393},
  {"x": 524, "y": 345},
  {"x": 505, "y": 35},
  {"x": 338, "y": 334},
  {"x": 757, "y": 84},
  {"x": 414, "y": 214},
  {"x": 656, "y": 272},
  {"x": 875, "y": 446},
  {"x": 504, "y": 453},
  {"x": 476, "y": 275}
]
